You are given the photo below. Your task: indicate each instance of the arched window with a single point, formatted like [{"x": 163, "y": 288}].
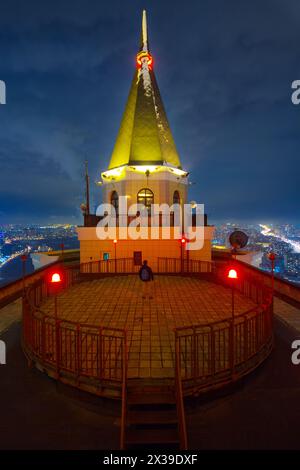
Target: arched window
[
  {"x": 176, "y": 197},
  {"x": 145, "y": 196},
  {"x": 114, "y": 200}
]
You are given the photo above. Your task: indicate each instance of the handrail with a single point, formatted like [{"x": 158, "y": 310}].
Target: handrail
[
  {"x": 124, "y": 394},
  {"x": 210, "y": 355},
  {"x": 185, "y": 266},
  {"x": 179, "y": 400},
  {"x": 79, "y": 354},
  {"x": 216, "y": 322}
]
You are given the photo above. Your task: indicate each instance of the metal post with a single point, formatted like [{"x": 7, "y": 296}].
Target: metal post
[
  {"x": 57, "y": 347},
  {"x": 272, "y": 258},
  {"x": 232, "y": 329},
  {"x": 55, "y": 307},
  {"x": 181, "y": 257},
  {"x": 232, "y": 302},
  {"x": 188, "y": 260},
  {"x": 56, "y": 336}
]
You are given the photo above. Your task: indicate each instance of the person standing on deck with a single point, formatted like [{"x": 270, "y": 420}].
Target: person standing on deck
[{"x": 146, "y": 276}]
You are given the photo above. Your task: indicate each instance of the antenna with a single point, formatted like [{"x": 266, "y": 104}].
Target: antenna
[{"x": 87, "y": 188}]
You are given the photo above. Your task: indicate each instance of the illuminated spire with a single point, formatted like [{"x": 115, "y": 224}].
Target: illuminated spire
[
  {"x": 144, "y": 35},
  {"x": 144, "y": 136}
]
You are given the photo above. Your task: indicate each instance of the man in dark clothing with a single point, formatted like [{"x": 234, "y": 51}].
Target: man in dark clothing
[{"x": 146, "y": 276}]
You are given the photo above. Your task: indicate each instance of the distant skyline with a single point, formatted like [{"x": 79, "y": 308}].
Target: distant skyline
[{"x": 224, "y": 69}]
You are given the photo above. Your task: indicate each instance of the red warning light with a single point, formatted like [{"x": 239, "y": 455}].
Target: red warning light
[
  {"x": 55, "y": 278},
  {"x": 144, "y": 55},
  {"x": 232, "y": 274}
]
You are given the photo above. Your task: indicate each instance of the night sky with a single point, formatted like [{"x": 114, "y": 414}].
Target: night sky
[{"x": 224, "y": 69}]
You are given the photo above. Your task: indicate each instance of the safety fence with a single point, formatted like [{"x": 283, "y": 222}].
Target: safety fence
[
  {"x": 205, "y": 355},
  {"x": 210, "y": 355},
  {"x": 110, "y": 266},
  {"x": 178, "y": 265},
  {"x": 80, "y": 354}
]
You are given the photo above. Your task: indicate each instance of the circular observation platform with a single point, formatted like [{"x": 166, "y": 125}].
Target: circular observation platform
[
  {"x": 117, "y": 302},
  {"x": 103, "y": 332}
]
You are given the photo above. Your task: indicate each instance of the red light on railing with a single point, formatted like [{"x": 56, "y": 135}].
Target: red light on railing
[
  {"x": 232, "y": 274},
  {"x": 55, "y": 278},
  {"x": 115, "y": 241},
  {"x": 272, "y": 256},
  {"x": 183, "y": 240}
]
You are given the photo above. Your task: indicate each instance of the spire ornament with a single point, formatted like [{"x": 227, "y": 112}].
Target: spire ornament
[{"x": 144, "y": 57}]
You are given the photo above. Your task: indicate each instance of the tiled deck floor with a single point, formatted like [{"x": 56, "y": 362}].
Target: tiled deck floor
[{"x": 177, "y": 301}]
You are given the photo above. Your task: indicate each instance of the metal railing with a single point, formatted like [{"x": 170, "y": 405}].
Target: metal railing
[
  {"x": 209, "y": 355},
  {"x": 124, "y": 398},
  {"x": 177, "y": 266},
  {"x": 72, "y": 351},
  {"x": 110, "y": 266},
  {"x": 183, "y": 441},
  {"x": 206, "y": 353}
]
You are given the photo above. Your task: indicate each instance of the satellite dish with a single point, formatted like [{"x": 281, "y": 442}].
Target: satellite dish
[{"x": 238, "y": 239}]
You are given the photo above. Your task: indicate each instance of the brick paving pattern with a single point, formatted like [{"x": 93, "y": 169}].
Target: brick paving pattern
[{"x": 177, "y": 301}]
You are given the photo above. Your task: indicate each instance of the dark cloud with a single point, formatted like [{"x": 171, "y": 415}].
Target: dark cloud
[{"x": 224, "y": 68}]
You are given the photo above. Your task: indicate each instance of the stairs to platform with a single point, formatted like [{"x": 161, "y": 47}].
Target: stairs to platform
[{"x": 151, "y": 419}]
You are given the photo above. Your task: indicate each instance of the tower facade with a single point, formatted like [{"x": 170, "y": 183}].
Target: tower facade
[{"x": 145, "y": 169}]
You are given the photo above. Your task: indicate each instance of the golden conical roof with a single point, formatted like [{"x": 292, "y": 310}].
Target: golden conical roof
[{"x": 144, "y": 137}]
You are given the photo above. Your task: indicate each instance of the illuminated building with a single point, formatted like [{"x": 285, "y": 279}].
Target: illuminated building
[{"x": 145, "y": 168}]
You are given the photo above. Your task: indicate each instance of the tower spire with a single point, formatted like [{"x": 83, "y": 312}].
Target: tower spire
[
  {"x": 144, "y": 137},
  {"x": 144, "y": 35}
]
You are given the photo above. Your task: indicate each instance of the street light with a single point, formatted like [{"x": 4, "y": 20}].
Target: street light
[
  {"x": 182, "y": 245},
  {"x": 115, "y": 244},
  {"x": 55, "y": 281},
  {"x": 233, "y": 277}
]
